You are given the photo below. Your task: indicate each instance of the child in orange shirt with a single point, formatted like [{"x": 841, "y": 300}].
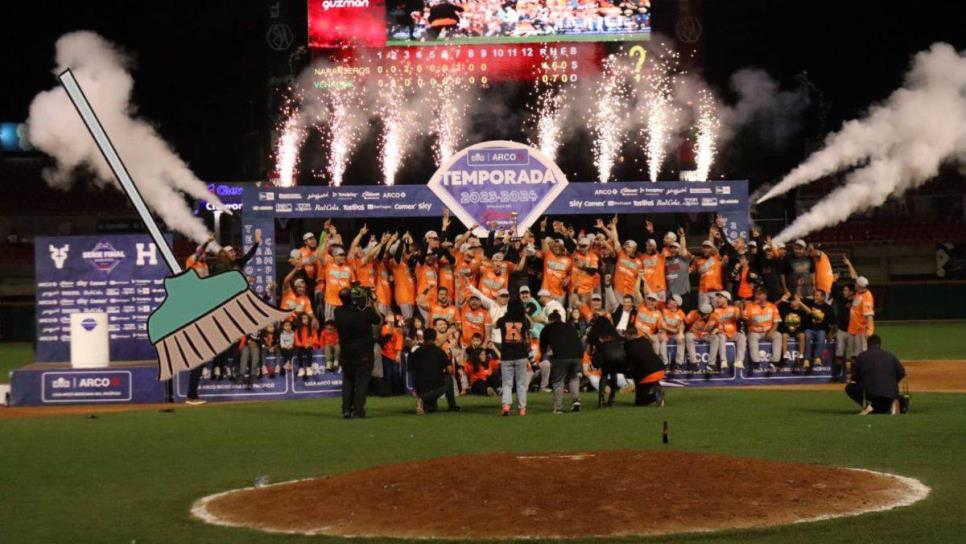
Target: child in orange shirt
[
  {"x": 306, "y": 339},
  {"x": 329, "y": 342}
]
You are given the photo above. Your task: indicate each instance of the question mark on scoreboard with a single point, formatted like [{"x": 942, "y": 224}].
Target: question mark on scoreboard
[{"x": 640, "y": 52}]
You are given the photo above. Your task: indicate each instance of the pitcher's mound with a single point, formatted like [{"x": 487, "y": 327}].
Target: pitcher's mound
[{"x": 560, "y": 495}]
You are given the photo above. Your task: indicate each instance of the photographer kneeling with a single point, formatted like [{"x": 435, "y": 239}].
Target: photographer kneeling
[
  {"x": 354, "y": 320},
  {"x": 432, "y": 375}
]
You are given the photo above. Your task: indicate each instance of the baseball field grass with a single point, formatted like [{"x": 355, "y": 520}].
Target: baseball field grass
[{"x": 132, "y": 476}]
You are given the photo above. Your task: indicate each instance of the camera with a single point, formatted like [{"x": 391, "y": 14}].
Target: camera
[{"x": 361, "y": 297}]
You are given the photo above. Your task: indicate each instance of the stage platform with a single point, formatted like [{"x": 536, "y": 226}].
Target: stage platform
[
  {"x": 52, "y": 384},
  {"x": 43, "y": 384}
]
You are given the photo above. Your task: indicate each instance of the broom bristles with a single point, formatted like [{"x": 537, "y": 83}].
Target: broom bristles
[{"x": 213, "y": 333}]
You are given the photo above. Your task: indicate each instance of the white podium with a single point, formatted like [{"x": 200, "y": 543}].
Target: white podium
[{"x": 89, "y": 346}]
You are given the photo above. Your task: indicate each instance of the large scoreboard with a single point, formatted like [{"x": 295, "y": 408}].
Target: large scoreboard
[{"x": 478, "y": 41}]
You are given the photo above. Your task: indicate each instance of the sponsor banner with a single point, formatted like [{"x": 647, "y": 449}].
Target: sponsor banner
[
  {"x": 700, "y": 376},
  {"x": 121, "y": 275},
  {"x": 646, "y": 197},
  {"x": 339, "y": 202},
  {"x": 498, "y": 182},
  {"x": 290, "y": 386},
  {"x": 33, "y": 387},
  {"x": 230, "y": 195}
]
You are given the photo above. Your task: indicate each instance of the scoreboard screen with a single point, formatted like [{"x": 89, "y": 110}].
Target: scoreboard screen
[{"x": 478, "y": 41}]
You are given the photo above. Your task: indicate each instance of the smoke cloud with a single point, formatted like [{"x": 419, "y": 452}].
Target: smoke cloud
[
  {"x": 55, "y": 128},
  {"x": 898, "y": 146}
]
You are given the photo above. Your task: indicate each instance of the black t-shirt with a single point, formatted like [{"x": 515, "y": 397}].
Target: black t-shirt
[
  {"x": 793, "y": 319},
  {"x": 516, "y": 339},
  {"x": 641, "y": 358},
  {"x": 563, "y": 339},
  {"x": 820, "y": 318},
  {"x": 841, "y": 305},
  {"x": 428, "y": 365},
  {"x": 356, "y": 337}
]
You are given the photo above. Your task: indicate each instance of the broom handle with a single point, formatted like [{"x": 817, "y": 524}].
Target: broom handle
[{"x": 114, "y": 161}]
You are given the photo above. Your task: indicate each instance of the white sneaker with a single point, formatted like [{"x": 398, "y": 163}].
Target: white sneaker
[
  {"x": 264, "y": 370},
  {"x": 205, "y": 374},
  {"x": 310, "y": 372},
  {"x": 739, "y": 365},
  {"x": 301, "y": 373},
  {"x": 217, "y": 372},
  {"x": 315, "y": 368},
  {"x": 866, "y": 411}
]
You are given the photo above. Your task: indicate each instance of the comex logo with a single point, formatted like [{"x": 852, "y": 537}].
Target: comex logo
[
  {"x": 59, "y": 255},
  {"x": 89, "y": 324},
  {"x": 60, "y": 383}
]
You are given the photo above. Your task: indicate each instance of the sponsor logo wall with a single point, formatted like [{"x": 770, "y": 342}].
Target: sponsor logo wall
[
  {"x": 132, "y": 384},
  {"x": 121, "y": 275}
]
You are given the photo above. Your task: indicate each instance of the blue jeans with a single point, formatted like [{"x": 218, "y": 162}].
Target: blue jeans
[{"x": 816, "y": 339}]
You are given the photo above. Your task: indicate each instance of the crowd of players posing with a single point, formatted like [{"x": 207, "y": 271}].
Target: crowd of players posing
[{"x": 460, "y": 287}]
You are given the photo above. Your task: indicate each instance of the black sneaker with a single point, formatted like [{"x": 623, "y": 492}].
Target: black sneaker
[
  {"x": 575, "y": 407},
  {"x": 455, "y": 409}
]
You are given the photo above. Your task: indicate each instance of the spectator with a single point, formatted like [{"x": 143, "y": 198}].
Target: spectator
[
  {"x": 874, "y": 384},
  {"x": 799, "y": 271},
  {"x": 861, "y": 314},
  {"x": 793, "y": 314},
  {"x": 726, "y": 319},
  {"x": 762, "y": 319},
  {"x": 818, "y": 322},
  {"x": 560, "y": 341},
  {"x": 432, "y": 376},
  {"x": 513, "y": 329},
  {"x": 701, "y": 329},
  {"x": 329, "y": 342},
  {"x": 477, "y": 365},
  {"x": 674, "y": 326}
]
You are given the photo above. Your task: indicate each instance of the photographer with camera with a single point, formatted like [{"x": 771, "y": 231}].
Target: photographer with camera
[{"x": 355, "y": 320}]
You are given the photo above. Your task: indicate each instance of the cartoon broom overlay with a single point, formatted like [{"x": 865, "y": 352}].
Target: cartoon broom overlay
[{"x": 199, "y": 318}]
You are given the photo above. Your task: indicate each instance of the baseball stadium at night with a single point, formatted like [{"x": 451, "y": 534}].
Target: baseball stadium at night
[{"x": 681, "y": 270}]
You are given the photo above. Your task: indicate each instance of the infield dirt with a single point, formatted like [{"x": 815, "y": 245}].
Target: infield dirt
[{"x": 503, "y": 495}]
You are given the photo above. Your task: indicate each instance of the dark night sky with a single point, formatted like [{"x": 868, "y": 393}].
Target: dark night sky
[{"x": 202, "y": 66}]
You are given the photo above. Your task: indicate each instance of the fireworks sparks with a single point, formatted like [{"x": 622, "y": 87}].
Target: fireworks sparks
[
  {"x": 449, "y": 115},
  {"x": 343, "y": 131},
  {"x": 706, "y": 133},
  {"x": 393, "y": 140},
  {"x": 608, "y": 118},
  {"x": 550, "y": 117},
  {"x": 659, "y": 107},
  {"x": 289, "y": 142}
]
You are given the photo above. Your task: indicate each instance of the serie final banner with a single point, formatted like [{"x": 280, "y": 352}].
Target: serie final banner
[{"x": 121, "y": 275}]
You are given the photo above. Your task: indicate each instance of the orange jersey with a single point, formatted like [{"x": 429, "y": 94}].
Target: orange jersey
[
  {"x": 450, "y": 313},
  {"x": 337, "y": 278},
  {"x": 427, "y": 278},
  {"x": 310, "y": 262},
  {"x": 365, "y": 273},
  {"x": 198, "y": 266},
  {"x": 582, "y": 282},
  {"x": 474, "y": 322},
  {"x": 305, "y": 337},
  {"x": 589, "y": 314},
  {"x": 447, "y": 279},
  {"x": 863, "y": 307},
  {"x": 710, "y": 270},
  {"x": 556, "y": 272},
  {"x": 296, "y": 304},
  {"x": 824, "y": 277},
  {"x": 394, "y": 345},
  {"x": 405, "y": 285},
  {"x": 466, "y": 273},
  {"x": 652, "y": 268},
  {"x": 673, "y": 319},
  {"x": 699, "y": 325},
  {"x": 626, "y": 272},
  {"x": 491, "y": 283},
  {"x": 383, "y": 284},
  {"x": 648, "y": 321},
  {"x": 761, "y": 319},
  {"x": 726, "y": 320}
]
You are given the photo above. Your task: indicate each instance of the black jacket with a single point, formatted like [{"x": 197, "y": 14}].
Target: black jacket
[
  {"x": 563, "y": 339},
  {"x": 641, "y": 358},
  {"x": 878, "y": 372},
  {"x": 356, "y": 337}
]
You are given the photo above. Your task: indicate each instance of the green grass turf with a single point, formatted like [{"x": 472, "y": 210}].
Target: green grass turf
[
  {"x": 924, "y": 340},
  {"x": 14, "y": 355},
  {"x": 554, "y": 38},
  {"x": 131, "y": 477}
]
